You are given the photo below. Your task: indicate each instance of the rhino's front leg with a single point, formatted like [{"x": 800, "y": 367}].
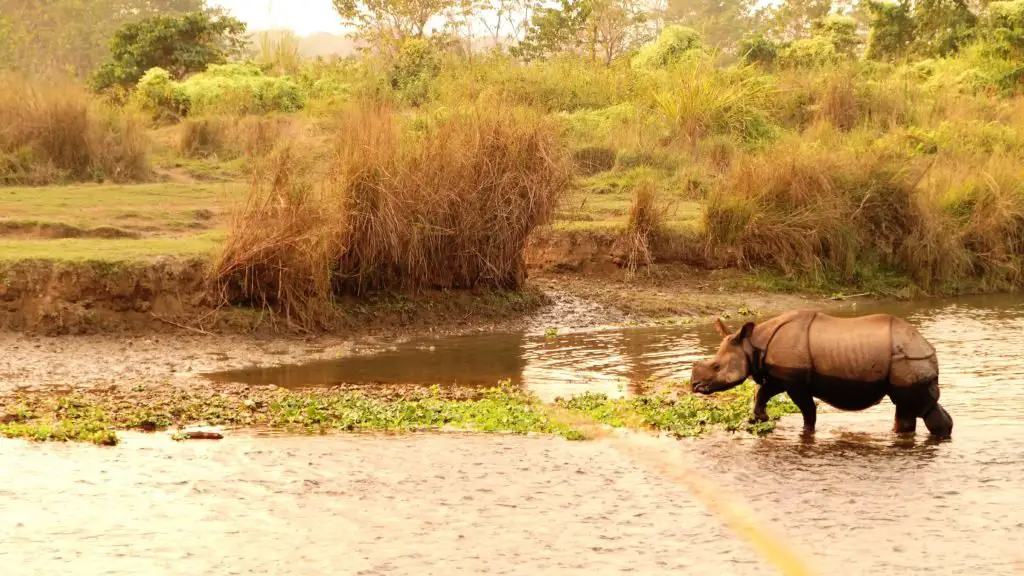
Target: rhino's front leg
[
  {"x": 765, "y": 392},
  {"x": 805, "y": 402}
]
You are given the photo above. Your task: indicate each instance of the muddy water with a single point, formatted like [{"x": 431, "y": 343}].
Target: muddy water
[{"x": 852, "y": 500}]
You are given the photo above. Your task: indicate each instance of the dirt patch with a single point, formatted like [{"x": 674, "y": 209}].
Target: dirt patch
[{"x": 58, "y": 230}]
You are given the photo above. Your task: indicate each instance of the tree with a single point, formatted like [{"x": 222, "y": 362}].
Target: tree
[
  {"x": 179, "y": 44},
  {"x": 513, "y": 14},
  {"x": 942, "y": 27},
  {"x": 794, "y": 19},
  {"x": 555, "y": 29},
  {"x": 719, "y": 22},
  {"x": 70, "y": 35},
  {"x": 601, "y": 29},
  {"x": 386, "y": 24}
]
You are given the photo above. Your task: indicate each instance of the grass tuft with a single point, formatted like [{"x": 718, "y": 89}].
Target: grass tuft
[
  {"x": 444, "y": 202},
  {"x": 57, "y": 133}
]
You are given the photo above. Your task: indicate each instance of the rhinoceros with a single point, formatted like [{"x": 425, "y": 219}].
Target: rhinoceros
[{"x": 849, "y": 363}]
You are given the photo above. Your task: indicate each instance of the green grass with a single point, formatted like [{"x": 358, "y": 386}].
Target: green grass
[
  {"x": 117, "y": 250},
  {"x": 601, "y": 203},
  {"x": 153, "y": 209}
]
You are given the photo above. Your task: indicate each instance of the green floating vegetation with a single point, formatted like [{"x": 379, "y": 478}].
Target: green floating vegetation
[
  {"x": 686, "y": 416},
  {"x": 504, "y": 409},
  {"x": 70, "y": 420}
]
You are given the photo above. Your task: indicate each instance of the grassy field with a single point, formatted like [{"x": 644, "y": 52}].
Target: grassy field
[
  {"x": 809, "y": 170},
  {"x": 114, "y": 222}
]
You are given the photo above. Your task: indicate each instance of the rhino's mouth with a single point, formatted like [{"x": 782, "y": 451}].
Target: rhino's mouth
[{"x": 712, "y": 387}]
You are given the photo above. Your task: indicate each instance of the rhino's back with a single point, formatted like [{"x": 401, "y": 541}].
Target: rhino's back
[
  {"x": 868, "y": 349},
  {"x": 851, "y": 349}
]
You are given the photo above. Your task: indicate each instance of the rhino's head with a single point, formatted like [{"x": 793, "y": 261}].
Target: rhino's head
[{"x": 728, "y": 368}]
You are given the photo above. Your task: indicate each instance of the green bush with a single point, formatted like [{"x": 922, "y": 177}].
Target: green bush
[
  {"x": 1004, "y": 33},
  {"x": 841, "y": 31},
  {"x": 674, "y": 45},
  {"x": 159, "y": 94},
  {"x": 412, "y": 74},
  {"x": 811, "y": 52},
  {"x": 757, "y": 49},
  {"x": 227, "y": 88}
]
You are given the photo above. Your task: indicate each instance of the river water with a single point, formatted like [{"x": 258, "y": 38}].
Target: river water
[{"x": 853, "y": 500}]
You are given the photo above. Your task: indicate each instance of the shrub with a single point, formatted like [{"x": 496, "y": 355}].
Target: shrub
[
  {"x": 54, "y": 133},
  {"x": 942, "y": 27},
  {"x": 223, "y": 89},
  {"x": 673, "y": 45},
  {"x": 757, "y": 49},
  {"x": 157, "y": 93},
  {"x": 413, "y": 72},
  {"x": 841, "y": 31},
  {"x": 1004, "y": 28},
  {"x": 449, "y": 205},
  {"x": 240, "y": 89},
  {"x": 813, "y": 52}
]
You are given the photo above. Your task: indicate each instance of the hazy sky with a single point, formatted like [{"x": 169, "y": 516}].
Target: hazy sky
[{"x": 303, "y": 16}]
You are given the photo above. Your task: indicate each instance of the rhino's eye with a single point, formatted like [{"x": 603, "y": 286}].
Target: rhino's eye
[{"x": 714, "y": 366}]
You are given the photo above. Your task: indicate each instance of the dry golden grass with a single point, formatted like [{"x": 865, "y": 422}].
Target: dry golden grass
[
  {"x": 56, "y": 132},
  {"x": 447, "y": 202},
  {"x": 848, "y": 214},
  {"x": 645, "y": 225},
  {"x": 229, "y": 137}
]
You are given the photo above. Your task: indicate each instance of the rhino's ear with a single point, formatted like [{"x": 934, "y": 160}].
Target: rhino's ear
[
  {"x": 720, "y": 327},
  {"x": 745, "y": 332}
]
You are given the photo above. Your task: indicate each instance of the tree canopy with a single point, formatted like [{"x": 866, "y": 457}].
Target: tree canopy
[{"x": 179, "y": 44}]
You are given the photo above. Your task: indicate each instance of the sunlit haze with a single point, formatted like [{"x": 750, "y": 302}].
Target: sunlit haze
[{"x": 304, "y": 17}]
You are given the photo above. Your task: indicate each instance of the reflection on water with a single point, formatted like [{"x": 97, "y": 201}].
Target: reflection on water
[{"x": 602, "y": 361}]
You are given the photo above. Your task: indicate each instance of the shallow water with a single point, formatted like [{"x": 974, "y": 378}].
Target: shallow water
[
  {"x": 856, "y": 496},
  {"x": 855, "y": 499}
]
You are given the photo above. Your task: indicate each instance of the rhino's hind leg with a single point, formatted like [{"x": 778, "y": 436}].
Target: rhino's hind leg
[
  {"x": 906, "y": 420},
  {"x": 939, "y": 422},
  {"x": 921, "y": 401}
]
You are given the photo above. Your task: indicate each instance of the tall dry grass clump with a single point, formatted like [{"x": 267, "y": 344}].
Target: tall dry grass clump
[
  {"x": 56, "y": 132},
  {"x": 822, "y": 213},
  {"x": 444, "y": 201},
  {"x": 644, "y": 227},
  {"x": 984, "y": 209},
  {"x": 230, "y": 137}
]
